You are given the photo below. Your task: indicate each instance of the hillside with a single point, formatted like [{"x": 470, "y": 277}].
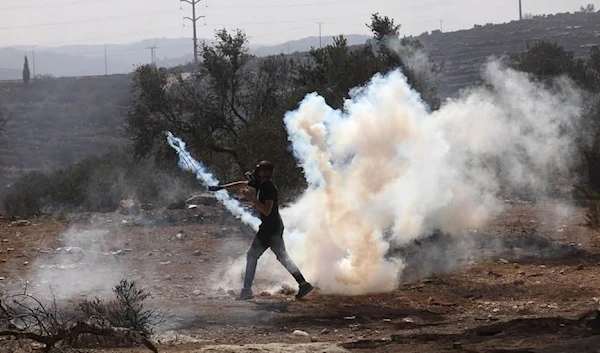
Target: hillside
[
  {"x": 464, "y": 52},
  {"x": 84, "y": 60},
  {"x": 58, "y": 121},
  {"x": 61, "y": 120}
]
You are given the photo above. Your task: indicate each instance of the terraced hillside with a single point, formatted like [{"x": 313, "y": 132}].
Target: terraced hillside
[
  {"x": 464, "y": 52},
  {"x": 61, "y": 120},
  {"x": 58, "y": 121}
]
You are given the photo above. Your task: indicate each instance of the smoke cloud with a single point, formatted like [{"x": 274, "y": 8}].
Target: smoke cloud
[
  {"x": 83, "y": 265},
  {"x": 385, "y": 171}
]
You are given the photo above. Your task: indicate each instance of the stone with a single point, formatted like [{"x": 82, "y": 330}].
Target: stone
[
  {"x": 202, "y": 199},
  {"x": 20, "y": 223},
  {"x": 300, "y": 333},
  {"x": 178, "y": 205},
  {"x": 320, "y": 347}
]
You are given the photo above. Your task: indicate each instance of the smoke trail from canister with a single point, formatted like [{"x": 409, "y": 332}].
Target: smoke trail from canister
[{"x": 188, "y": 163}]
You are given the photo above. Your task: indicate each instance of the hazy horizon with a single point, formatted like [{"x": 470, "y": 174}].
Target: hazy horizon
[{"x": 86, "y": 22}]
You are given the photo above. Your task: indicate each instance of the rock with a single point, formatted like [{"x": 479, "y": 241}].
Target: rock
[
  {"x": 179, "y": 236},
  {"x": 202, "y": 199},
  {"x": 518, "y": 282},
  {"x": 69, "y": 250},
  {"x": 300, "y": 333},
  {"x": 320, "y": 347},
  {"x": 265, "y": 294},
  {"x": 192, "y": 207},
  {"x": 287, "y": 290},
  {"x": 121, "y": 252},
  {"x": 178, "y": 205},
  {"x": 579, "y": 267},
  {"x": 20, "y": 223},
  {"x": 197, "y": 292},
  {"x": 128, "y": 207},
  {"x": 350, "y": 318},
  {"x": 173, "y": 337},
  {"x": 2, "y": 278},
  {"x": 147, "y": 206},
  {"x": 325, "y": 331},
  {"x": 197, "y": 253},
  {"x": 502, "y": 261},
  {"x": 408, "y": 320},
  {"x": 387, "y": 320}
]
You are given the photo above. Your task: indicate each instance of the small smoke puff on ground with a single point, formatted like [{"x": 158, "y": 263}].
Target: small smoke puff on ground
[
  {"x": 83, "y": 266},
  {"x": 387, "y": 165}
]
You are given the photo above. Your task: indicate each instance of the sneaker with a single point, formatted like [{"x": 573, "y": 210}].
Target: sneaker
[
  {"x": 304, "y": 290},
  {"x": 245, "y": 294}
]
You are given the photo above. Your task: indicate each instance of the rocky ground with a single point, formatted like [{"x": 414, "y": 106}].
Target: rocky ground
[{"x": 530, "y": 284}]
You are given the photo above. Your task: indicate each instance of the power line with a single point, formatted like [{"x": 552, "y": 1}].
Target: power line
[
  {"x": 60, "y": 4},
  {"x": 194, "y": 19},
  {"x": 520, "y": 10},
  {"x": 229, "y": 8},
  {"x": 153, "y": 13},
  {"x": 152, "y": 54}
]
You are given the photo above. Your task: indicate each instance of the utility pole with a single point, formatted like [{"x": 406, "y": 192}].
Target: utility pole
[
  {"x": 320, "y": 24},
  {"x": 441, "y": 25},
  {"x": 520, "y": 11},
  {"x": 105, "y": 62},
  {"x": 194, "y": 18},
  {"x": 153, "y": 54}
]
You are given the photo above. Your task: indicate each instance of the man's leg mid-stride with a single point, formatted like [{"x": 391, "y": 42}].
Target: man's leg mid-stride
[
  {"x": 278, "y": 247},
  {"x": 256, "y": 250}
]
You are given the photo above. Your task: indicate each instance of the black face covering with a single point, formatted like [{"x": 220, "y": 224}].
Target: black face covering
[{"x": 254, "y": 179}]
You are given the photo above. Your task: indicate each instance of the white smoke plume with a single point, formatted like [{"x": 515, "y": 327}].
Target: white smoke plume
[
  {"x": 187, "y": 162},
  {"x": 385, "y": 171},
  {"x": 83, "y": 265}
]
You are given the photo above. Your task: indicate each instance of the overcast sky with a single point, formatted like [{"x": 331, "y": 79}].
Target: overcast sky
[{"x": 61, "y": 22}]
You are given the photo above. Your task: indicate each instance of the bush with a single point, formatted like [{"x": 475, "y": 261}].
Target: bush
[
  {"x": 125, "y": 311},
  {"x": 122, "y": 322},
  {"x": 96, "y": 184}
]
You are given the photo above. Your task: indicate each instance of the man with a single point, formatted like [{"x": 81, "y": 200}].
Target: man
[{"x": 270, "y": 232}]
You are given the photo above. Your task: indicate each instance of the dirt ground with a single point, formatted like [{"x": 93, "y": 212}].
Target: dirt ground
[{"x": 536, "y": 289}]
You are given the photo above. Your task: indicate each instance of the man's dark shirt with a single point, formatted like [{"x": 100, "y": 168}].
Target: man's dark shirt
[{"x": 268, "y": 191}]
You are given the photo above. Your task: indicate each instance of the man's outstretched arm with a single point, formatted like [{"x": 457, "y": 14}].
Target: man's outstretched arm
[{"x": 237, "y": 185}]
